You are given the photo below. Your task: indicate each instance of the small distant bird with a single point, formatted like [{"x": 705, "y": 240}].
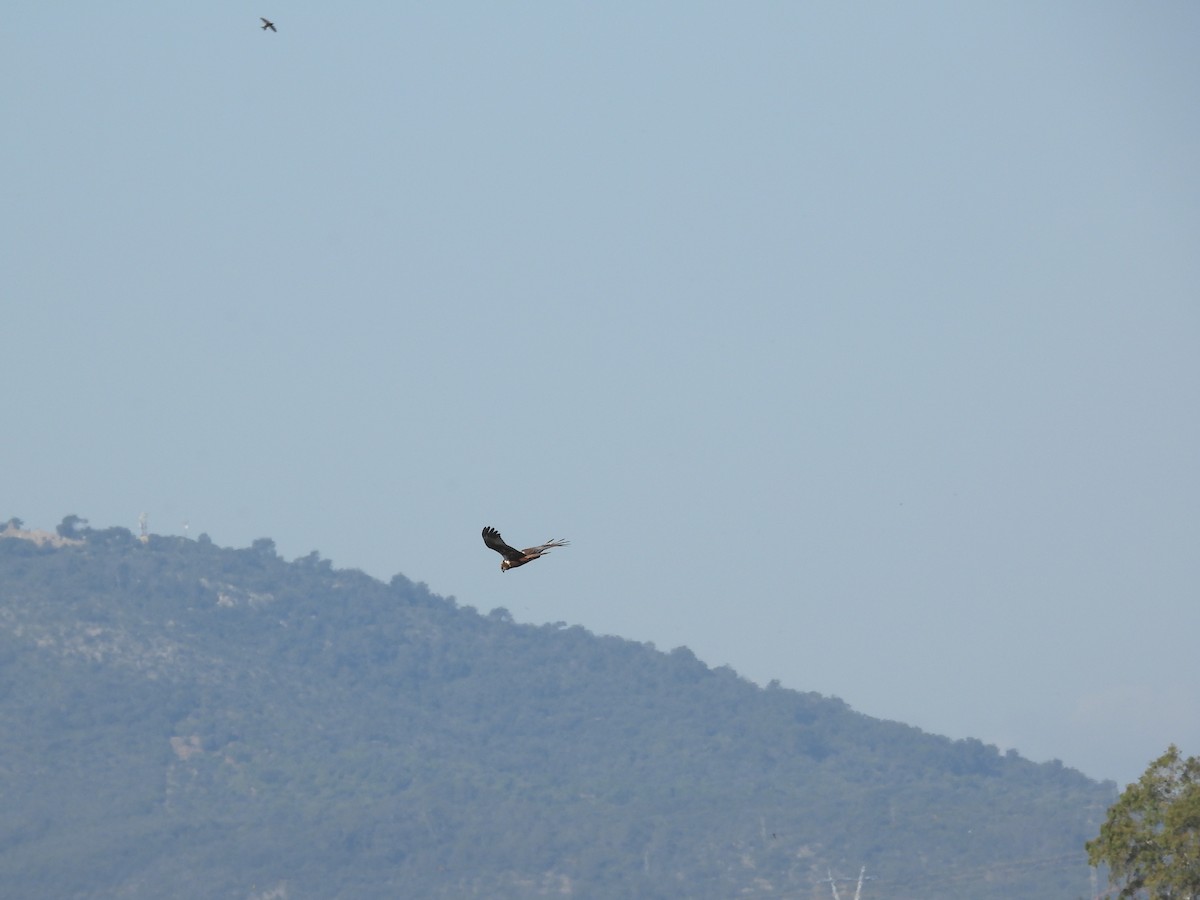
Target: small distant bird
[
  {"x": 512, "y": 556},
  {"x": 267, "y": 23}
]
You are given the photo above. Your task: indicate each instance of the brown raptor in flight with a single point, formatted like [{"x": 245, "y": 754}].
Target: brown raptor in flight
[{"x": 512, "y": 556}]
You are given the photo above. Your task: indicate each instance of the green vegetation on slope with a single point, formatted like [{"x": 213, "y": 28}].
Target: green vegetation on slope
[{"x": 183, "y": 720}]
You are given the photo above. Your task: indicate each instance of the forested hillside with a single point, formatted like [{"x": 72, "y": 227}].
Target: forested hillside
[{"x": 183, "y": 720}]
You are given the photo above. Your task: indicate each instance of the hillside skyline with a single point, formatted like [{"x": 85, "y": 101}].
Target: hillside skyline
[
  {"x": 214, "y": 722},
  {"x": 73, "y": 531}
]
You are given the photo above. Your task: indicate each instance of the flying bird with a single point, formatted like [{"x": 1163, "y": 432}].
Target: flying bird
[
  {"x": 512, "y": 556},
  {"x": 267, "y": 23}
]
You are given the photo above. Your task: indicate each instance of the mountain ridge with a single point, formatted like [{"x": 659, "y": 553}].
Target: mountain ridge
[{"x": 177, "y": 710}]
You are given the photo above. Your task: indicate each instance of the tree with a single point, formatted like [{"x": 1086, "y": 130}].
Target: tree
[
  {"x": 1151, "y": 838},
  {"x": 69, "y": 527}
]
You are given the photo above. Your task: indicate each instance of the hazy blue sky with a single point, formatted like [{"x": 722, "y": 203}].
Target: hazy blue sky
[{"x": 852, "y": 345}]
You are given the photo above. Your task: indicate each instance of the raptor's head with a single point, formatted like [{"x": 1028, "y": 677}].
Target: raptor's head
[{"x": 505, "y": 565}]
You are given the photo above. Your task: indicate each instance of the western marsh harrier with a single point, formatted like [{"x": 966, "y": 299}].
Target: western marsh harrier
[{"x": 512, "y": 556}]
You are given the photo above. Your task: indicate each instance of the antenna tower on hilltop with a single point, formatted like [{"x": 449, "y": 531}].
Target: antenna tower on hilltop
[{"x": 145, "y": 537}]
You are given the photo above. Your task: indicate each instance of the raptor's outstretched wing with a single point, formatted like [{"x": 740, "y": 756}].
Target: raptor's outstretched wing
[
  {"x": 534, "y": 552},
  {"x": 492, "y": 538}
]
